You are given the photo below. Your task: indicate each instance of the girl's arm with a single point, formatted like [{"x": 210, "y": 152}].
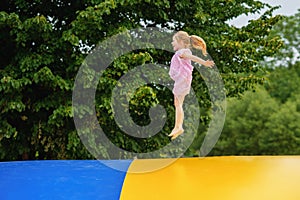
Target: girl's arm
[{"x": 207, "y": 63}]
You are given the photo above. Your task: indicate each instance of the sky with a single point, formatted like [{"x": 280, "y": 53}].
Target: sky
[{"x": 288, "y": 8}]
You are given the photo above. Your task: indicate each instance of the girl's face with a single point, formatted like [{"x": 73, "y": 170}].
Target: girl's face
[{"x": 176, "y": 44}]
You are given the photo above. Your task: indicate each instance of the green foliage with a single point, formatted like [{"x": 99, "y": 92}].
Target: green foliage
[
  {"x": 288, "y": 30},
  {"x": 283, "y": 82},
  {"x": 282, "y": 134},
  {"x": 43, "y": 44},
  {"x": 267, "y": 121},
  {"x": 245, "y": 121}
]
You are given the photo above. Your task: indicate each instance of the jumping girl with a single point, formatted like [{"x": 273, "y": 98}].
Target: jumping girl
[{"x": 181, "y": 72}]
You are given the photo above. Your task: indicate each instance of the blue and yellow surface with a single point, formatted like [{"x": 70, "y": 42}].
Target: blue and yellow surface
[{"x": 210, "y": 178}]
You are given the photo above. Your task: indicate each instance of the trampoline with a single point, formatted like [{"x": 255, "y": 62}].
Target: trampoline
[{"x": 212, "y": 178}]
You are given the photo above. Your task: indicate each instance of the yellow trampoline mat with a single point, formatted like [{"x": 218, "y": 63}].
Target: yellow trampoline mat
[{"x": 220, "y": 178}]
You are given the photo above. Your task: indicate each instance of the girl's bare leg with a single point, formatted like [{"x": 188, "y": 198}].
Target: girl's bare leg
[{"x": 179, "y": 116}]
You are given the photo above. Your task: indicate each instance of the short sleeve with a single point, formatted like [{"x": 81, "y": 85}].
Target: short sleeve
[{"x": 184, "y": 51}]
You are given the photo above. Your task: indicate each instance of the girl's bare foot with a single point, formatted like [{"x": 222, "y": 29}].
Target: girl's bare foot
[
  {"x": 174, "y": 131},
  {"x": 179, "y": 132}
]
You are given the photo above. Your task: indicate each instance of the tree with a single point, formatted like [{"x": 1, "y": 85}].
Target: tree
[
  {"x": 260, "y": 125},
  {"x": 288, "y": 30},
  {"x": 43, "y": 44},
  {"x": 282, "y": 133},
  {"x": 267, "y": 121},
  {"x": 283, "y": 82},
  {"x": 245, "y": 122}
]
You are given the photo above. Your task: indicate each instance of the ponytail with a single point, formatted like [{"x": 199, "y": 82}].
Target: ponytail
[
  {"x": 198, "y": 43},
  {"x": 193, "y": 40}
]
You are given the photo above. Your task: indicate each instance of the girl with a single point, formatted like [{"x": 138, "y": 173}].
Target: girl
[{"x": 181, "y": 72}]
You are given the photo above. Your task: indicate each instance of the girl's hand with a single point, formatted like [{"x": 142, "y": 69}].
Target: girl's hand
[{"x": 209, "y": 63}]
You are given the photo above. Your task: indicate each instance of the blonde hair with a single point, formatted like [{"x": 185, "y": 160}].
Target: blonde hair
[{"x": 191, "y": 41}]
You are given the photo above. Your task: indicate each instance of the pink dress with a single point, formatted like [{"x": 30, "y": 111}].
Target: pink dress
[{"x": 181, "y": 72}]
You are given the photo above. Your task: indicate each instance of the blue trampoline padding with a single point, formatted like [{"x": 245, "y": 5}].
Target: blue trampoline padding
[{"x": 62, "y": 179}]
